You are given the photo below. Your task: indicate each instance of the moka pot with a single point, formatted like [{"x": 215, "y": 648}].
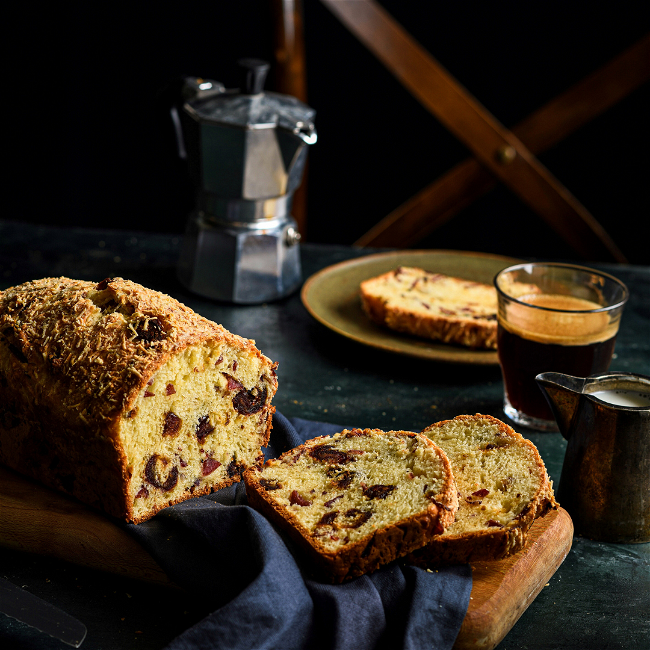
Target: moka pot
[{"x": 246, "y": 151}]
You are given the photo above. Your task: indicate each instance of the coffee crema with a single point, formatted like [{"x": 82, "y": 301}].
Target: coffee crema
[{"x": 574, "y": 323}]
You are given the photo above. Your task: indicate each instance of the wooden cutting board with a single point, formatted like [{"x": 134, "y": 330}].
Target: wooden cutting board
[{"x": 35, "y": 519}]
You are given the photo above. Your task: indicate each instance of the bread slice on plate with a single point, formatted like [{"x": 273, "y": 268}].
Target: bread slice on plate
[
  {"x": 433, "y": 306},
  {"x": 357, "y": 500},
  {"x": 436, "y": 306},
  {"x": 502, "y": 488}
]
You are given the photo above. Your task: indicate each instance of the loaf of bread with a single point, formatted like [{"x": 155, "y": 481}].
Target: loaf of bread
[
  {"x": 357, "y": 500},
  {"x": 433, "y": 306},
  {"x": 124, "y": 397},
  {"x": 502, "y": 488}
]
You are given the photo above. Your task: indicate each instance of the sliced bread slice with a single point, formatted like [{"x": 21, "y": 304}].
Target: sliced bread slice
[
  {"x": 433, "y": 306},
  {"x": 357, "y": 500},
  {"x": 502, "y": 488},
  {"x": 436, "y": 306}
]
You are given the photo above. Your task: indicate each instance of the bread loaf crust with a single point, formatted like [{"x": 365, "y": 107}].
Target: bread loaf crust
[
  {"x": 384, "y": 544},
  {"x": 74, "y": 357}
]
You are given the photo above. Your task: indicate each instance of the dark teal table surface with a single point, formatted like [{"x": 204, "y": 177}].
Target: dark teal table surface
[{"x": 600, "y": 596}]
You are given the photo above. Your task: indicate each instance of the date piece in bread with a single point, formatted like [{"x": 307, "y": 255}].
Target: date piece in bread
[
  {"x": 502, "y": 488},
  {"x": 357, "y": 500},
  {"x": 124, "y": 397}
]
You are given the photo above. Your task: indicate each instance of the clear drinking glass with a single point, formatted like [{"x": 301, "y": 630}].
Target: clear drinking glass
[{"x": 553, "y": 318}]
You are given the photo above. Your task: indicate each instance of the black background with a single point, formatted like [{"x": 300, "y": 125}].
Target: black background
[{"x": 90, "y": 143}]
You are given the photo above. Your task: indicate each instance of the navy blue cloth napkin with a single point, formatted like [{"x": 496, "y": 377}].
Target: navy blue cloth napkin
[{"x": 220, "y": 548}]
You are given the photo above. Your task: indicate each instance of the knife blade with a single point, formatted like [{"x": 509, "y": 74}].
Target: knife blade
[{"x": 37, "y": 613}]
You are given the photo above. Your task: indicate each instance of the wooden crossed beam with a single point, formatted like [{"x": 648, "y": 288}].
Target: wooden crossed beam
[{"x": 500, "y": 154}]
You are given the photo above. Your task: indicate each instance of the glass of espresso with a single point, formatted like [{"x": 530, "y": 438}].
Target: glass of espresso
[{"x": 553, "y": 318}]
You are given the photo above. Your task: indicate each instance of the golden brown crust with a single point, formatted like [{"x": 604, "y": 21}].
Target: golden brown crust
[
  {"x": 471, "y": 334},
  {"x": 489, "y": 543},
  {"x": 385, "y": 544},
  {"x": 402, "y": 301},
  {"x": 92, "y": 369},
  {"x": 74, "y": 357}
]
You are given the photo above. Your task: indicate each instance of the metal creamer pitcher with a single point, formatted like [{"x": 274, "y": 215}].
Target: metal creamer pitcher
[{"x": 605, "y": 482}]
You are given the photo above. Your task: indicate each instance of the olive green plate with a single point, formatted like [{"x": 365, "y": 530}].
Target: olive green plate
[{"x": 332, "y": 297}]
